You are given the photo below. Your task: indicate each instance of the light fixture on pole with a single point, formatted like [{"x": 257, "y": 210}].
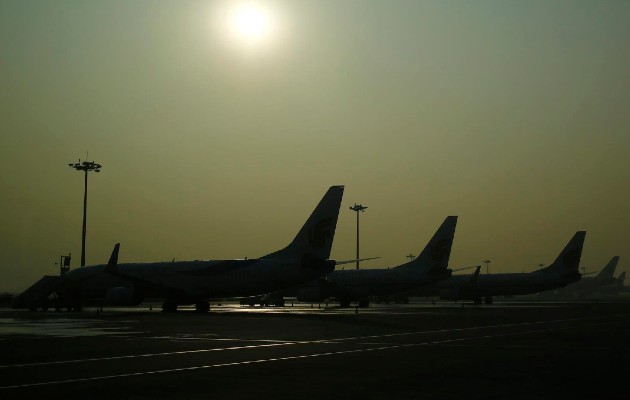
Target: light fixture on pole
[
  {"x": 85, "y": 166},
  {"x": 487, "y": 262},
  {"x": 358, "y": 208},
  {"x": 64, "y": 264}
]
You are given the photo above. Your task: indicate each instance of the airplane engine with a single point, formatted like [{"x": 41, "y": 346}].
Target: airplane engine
[
  {"x": 123, "y": 296},
  {"x": 311, "y": 294}
]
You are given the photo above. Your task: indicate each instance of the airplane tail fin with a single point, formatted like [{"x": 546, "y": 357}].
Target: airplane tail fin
[
  {"x": 437, "y": 252},
  {"x": 621, "y": 277},
  {"x": 316, "y": 236},
  {"x": 568, "y": 261},
  {"x": 608, "y": 271},
  {"x": 112, "y": 264}
]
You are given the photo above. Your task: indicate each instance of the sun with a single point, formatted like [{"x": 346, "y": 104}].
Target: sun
[
  {"x": 250, "y": 27},
  {"x": 251, "y": 23}
]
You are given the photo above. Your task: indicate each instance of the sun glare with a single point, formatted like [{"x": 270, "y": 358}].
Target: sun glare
[
  {"x": 251, "y": 23},
  {"x": 250, "y": 27}
]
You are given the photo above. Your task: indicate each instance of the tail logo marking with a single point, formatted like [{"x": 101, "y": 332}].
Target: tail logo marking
[
  {"x": 572, "y": 258},
  {"x": 440, "y": 249},
  {"x": 318, "y": 234}
]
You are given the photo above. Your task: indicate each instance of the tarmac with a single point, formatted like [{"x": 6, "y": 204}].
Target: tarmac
[{"x": 516, "y": 350}]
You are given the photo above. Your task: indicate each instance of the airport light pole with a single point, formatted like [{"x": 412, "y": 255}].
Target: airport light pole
[
  {"x": 358, "y": 208},
  {"x": 85, "y": 166},
  {"x": 410, "y": 256},
  {"x": 487, "y": 262},
  {"x": 541, "y": 266}
]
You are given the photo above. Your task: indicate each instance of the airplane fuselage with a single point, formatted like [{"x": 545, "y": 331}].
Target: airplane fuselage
[
  {"x": 191, "y": 281},
  {"x": 380, "y": 282},
  {"x": 507, "y": 284},
  {"x": 588, "y": 285},
  {"x": 348, "y": 285}
]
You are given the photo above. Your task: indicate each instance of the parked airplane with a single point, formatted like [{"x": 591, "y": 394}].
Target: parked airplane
[
  {"x": 615, "y": 287},
  {"x": 350, "y": 285},
  {"x": 561, "y": 272},
  {"x": 195, "y": 282},
  {"x": 590, "y": 285},
  {"x": 619, "y": 287}
]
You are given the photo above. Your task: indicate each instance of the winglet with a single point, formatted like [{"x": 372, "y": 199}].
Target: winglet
[
  {"x": 475, "y": 276},
  {"x": 468, "y": 289},
  {"x": 113, "y": 259}
]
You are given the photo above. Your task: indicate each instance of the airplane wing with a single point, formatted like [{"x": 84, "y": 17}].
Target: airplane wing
[
  {"x": 112, "y": 268},
  {"x": 464, "y": 268},
  {"x": 353, "y": 261}
]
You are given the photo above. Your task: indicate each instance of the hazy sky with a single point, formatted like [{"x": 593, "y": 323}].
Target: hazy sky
[{"x": 513, "y": 115}]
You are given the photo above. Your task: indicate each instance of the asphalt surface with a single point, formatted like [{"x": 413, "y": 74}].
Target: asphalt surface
[{"x": 443, "y": 351}]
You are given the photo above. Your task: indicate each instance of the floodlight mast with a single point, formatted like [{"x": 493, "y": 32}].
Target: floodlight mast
[
  {"x": 358, "y": 208},
  {"x": 85, "y": 166}
]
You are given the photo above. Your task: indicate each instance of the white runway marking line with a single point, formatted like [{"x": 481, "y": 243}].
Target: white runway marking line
[
  {"x": 459, "y": 329},
  {"x": 145, "y": 355},
  {"x": 278, "y": 343},
  {"x": 528, "y": 347},
  {"x": 284, "y": 343},
  {"x": 265, "y": 360},
  {"x": 202, "y": 339}
]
